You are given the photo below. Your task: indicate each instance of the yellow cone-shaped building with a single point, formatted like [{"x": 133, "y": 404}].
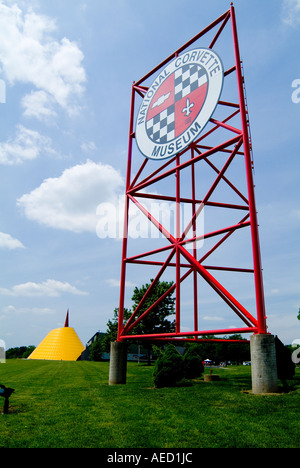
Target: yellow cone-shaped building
[{"x": 61, "y": 344}]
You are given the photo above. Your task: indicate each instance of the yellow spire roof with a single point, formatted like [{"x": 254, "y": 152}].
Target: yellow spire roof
[{"x": 61, "y": 344}]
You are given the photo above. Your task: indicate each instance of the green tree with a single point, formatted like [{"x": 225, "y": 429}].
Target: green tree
[
  {"x": 28, "y": 351},
  {"x": 285, "y": 365},
  {"x": 21, "y": 352},
  {"x": 192, "y": 363},
  {"x": 168, "y": 370},
  {"x": 156, "y": 321},
  {"x": 97, "y": 349},
  {"x": 235, "y": 352},
  {"x": 298, "y": 316},
  {"x": 112, "y": 328}
]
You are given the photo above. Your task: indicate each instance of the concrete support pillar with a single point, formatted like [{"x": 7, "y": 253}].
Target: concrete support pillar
[
  {"x": 263, "y": 364},
  {"x": 118, "y": 363}
]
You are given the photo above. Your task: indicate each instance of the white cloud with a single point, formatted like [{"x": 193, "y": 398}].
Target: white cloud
[
  {"x": 50, "y": 288},
  {"x": 213, "y": 318},
  {"x": 38, "y": 104},
  {"x": 89, "y": 146},
  {"x": 26, "y": 145},
  {"x": 12, "y": 310},
  {"x": 8, "y": 242},
  {"x": 69, "y": 202},
  {"x": 30, "y": 54},
  {"x": 114, "y": 283},
  {"x": 291, "y": 12}
]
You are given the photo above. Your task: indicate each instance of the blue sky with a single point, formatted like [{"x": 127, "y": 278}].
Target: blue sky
[{"x": 67, "y": 70}]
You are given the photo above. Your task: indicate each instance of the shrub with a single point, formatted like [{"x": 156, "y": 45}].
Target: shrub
[
  {"x": 285, "y": 365},
  {"x": 192, "y": 364},
  {"x": 168, "y": 370}
]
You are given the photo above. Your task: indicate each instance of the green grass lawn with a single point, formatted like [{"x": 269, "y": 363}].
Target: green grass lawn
[{"x": 70, "y": 404}]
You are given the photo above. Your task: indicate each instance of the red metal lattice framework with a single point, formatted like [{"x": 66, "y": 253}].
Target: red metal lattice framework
[{"x": 231, "y": 137}]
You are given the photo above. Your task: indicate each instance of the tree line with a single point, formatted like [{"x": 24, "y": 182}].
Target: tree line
[{"x": 21, "y": 352}]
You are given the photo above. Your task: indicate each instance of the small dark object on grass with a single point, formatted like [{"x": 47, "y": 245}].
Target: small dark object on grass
[
  {"x": 6, "y": 392},
  {"x": 211, "y": 377}
]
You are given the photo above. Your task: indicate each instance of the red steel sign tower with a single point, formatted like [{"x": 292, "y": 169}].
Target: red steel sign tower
[{"x": 189, "y": 117}]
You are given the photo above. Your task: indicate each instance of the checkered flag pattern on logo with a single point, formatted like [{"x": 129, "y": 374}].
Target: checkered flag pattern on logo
[
  {"x": 161, "y": 128},
  {"x": 183, "y": 82},
  {"x": 187, "y": 79}
]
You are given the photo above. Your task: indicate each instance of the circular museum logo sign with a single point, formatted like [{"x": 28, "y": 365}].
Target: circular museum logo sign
[{"x": 179, "y": 103}]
